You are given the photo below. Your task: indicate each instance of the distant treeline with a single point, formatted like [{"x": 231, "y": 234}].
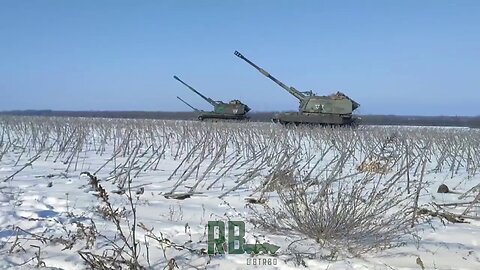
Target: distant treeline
[{"x": 462, "y": 121}]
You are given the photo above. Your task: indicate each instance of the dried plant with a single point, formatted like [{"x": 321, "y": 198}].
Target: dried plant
[{"x": 320, "y": 169}]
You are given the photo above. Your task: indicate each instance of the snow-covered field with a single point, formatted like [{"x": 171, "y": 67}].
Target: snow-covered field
[{"x": 180, "y": 174}]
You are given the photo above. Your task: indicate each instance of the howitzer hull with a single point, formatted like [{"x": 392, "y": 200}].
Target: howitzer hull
[
  {"x": 212, "y": 116},
  {"x": 296, "y": 118}
]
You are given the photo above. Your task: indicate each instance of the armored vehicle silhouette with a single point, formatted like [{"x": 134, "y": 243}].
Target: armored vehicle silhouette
[
  {"x": 333, "y": 110},
  {"x": 233, "y": 110}
]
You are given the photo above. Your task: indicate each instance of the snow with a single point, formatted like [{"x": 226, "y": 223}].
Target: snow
[{"x": 49, "y": 197}]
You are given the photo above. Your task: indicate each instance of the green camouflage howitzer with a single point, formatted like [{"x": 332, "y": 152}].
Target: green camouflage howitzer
[
  {"x": 332, "y": 110},
  {"x": 233, "y": 110}
]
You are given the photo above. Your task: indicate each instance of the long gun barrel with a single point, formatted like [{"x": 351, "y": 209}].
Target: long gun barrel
[
  {"x": 299, "y": 95},
  {"x": 193, "y": 108},
  {"x": 209, "y": 100}
]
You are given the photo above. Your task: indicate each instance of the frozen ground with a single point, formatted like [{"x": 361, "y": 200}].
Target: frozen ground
[{"x": 217, "y": 166}]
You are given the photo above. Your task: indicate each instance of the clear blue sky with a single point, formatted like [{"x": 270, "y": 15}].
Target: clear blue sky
[{"x": 393, "y": 57}]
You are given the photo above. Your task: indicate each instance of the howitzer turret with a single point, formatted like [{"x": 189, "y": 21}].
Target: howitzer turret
[
  {"x": 335, "y": 109},
  {"x": 234, "y": 110}
]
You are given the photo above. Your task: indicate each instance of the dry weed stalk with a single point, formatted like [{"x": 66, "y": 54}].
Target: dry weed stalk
[{"x": 316, "y": 164}]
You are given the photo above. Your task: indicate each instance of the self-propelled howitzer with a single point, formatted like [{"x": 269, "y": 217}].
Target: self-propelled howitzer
[
  {"x": 335, "y": 109},
  {"x": 233, "y": 110}
]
